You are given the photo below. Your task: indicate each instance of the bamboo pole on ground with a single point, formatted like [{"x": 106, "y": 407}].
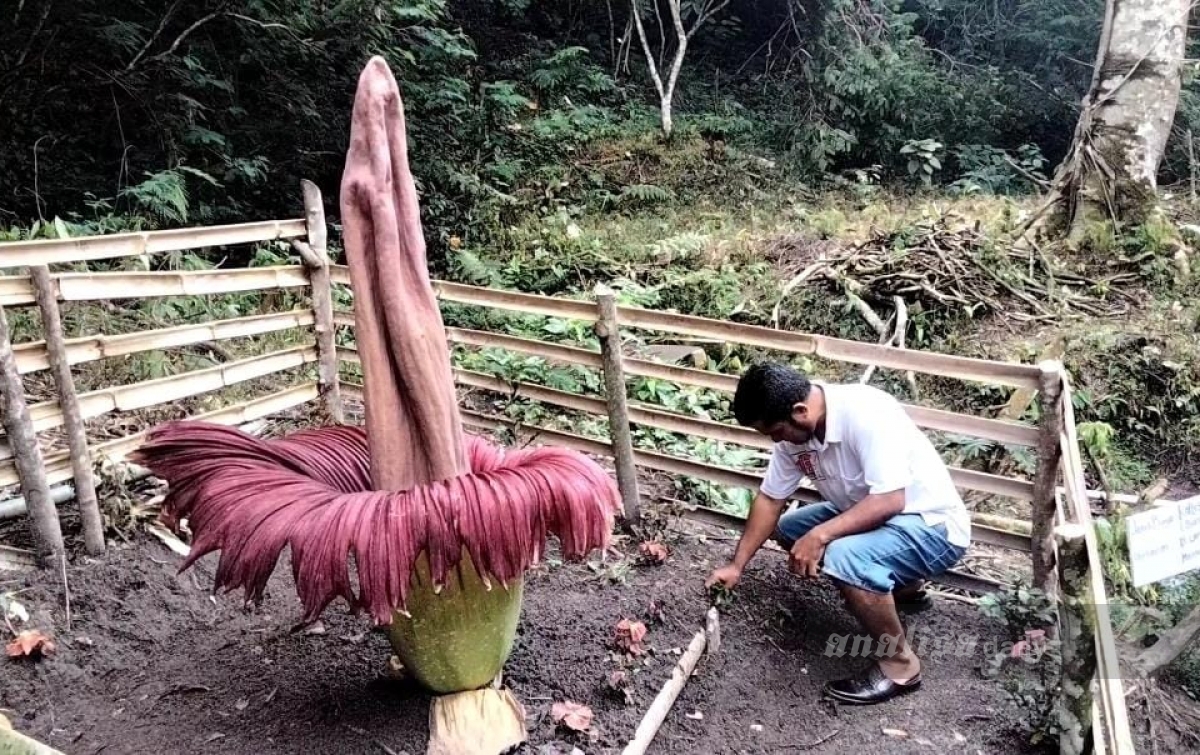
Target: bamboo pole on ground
[
  {"x": 1077, "y": 627},
  {"x": 46, "y": 529},
  {"x": 1049, "y": 453},
  {"x": 710, "y": 638},
  {"x": 316, "y": 261},
  {"x": 609, "y": 331},
  {"x": 68, "y": 401},
  {"x": 13, "y": 742}
]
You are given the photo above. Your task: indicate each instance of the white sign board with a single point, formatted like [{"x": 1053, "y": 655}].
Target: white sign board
[{"x": 1164, "y": 541}]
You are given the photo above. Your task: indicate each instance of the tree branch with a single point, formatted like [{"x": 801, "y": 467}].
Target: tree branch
[
  {"x": 681, "y": 36},
  {"x": 641, "y": 31},
  {"x": 705, "y": 15},
  {"x": 162, "y": 24},
  {"x": 186, "y": 33},
  {"x": 1170, "y": 645}
]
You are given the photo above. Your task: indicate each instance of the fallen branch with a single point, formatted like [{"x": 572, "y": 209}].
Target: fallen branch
[
  {"x": 653, "y": 720},
  {"x": 1170, "y": 645},
  {"x": 945, "y": 267}
]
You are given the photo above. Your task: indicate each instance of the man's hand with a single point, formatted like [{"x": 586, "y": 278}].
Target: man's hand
[
  {"x": 727, "y": 576},
  {"x": 805, "y": 558}
]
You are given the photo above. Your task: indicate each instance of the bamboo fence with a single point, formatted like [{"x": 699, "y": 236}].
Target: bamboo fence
[{"x": 1058, "y": 535}]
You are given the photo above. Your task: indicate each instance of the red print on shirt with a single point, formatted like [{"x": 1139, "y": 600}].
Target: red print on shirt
[{"x": 806, "y": 462}]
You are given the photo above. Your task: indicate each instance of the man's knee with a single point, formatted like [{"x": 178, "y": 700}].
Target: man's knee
[
  {"x": 798, "y": 522},
  {"x": 850, "y": 567}
]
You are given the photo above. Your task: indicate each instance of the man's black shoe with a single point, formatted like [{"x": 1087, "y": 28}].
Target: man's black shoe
[
  {"x": 914, "y": 602},
  {"x": 870, "y": 687}
]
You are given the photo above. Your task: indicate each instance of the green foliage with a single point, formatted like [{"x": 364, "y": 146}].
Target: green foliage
[
  {"x": 985, "y": 169},
  {"x": 923, "y": 158},
  {"x": 1146, "y": 388},
  {"x": 1029, "y": 665},
  {"x": 1019, "y": 608},
  {"x": 570, "y": 72}
]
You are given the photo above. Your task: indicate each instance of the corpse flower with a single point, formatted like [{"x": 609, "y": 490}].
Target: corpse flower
[{"x": 441, "y": 526}]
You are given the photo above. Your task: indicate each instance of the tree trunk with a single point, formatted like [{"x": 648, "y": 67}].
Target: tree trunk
[{"x": 1109, "y": 175}]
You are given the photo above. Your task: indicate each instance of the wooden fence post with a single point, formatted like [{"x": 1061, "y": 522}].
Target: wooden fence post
[
  {"x": 68, "y": 402},
  {"x": 27, "y": 454},
  {"x": 1049, "y": 454},
  {"x": 316, "y": 260},
  {"x": 1077, "y": 632},
  {"x": 609, "y": 332}
]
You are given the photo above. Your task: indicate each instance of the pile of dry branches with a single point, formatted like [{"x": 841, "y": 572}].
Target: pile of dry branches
[{"x": 948, "y": 267}]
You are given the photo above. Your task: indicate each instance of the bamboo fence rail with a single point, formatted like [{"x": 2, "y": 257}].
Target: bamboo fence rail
[
  {"x": 114, "y": 246},
  {"x": 1060, "y": 519},
  {"x": 18, "y": 290},
  {"x": 32, "y": 356},
  {"x": 32, "y": 283}
]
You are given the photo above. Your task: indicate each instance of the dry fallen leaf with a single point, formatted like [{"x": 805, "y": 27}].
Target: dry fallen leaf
[
  {"x": 653, "y": 550},
  {"x": 30, "y": 642},
  {"x": 572, "y": 715},
  {"x": 630, "y": 635}
]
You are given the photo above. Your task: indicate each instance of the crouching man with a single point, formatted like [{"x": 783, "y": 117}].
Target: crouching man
[{"x": 891, "y": 519}]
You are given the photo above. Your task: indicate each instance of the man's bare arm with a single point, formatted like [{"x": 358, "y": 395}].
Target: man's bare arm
[
  {"x": 764, "y": 517},
  {"x": 868, "y": 514}
]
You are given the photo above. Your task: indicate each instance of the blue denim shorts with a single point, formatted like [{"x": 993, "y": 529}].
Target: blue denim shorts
[{"x": 904, "y": 550}]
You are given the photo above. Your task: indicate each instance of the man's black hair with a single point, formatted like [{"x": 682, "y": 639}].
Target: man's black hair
[{"x": 766, "y": 392}]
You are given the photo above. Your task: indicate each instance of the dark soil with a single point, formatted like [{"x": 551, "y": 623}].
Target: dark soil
[{"x": 152, "y": 664}]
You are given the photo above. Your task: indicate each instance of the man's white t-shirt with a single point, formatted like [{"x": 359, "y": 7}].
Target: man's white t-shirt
[{"x": 871, "y": 446}]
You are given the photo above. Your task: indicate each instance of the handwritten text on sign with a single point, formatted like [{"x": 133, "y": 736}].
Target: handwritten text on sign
[{"x": 1164, "y": 541}]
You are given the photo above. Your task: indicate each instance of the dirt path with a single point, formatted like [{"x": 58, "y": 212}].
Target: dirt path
[{"x": 152, "y": 665}]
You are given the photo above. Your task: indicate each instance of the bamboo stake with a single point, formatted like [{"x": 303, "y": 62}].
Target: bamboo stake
[
  {"x": 68, "y": 401},
  {"x": 657, "y": 713},
  {"x": 13, "y": 742},
  {"x": 1077, "y": 625},
  {"x": 1044, "y": 501},
  {"x": 46, "y": 529},
  {"x": 608, "y": 330},
  {"x": 316, "y": 261}
]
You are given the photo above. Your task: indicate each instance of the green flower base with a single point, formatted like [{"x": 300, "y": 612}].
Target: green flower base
[{"x": 459, "y": 638}]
